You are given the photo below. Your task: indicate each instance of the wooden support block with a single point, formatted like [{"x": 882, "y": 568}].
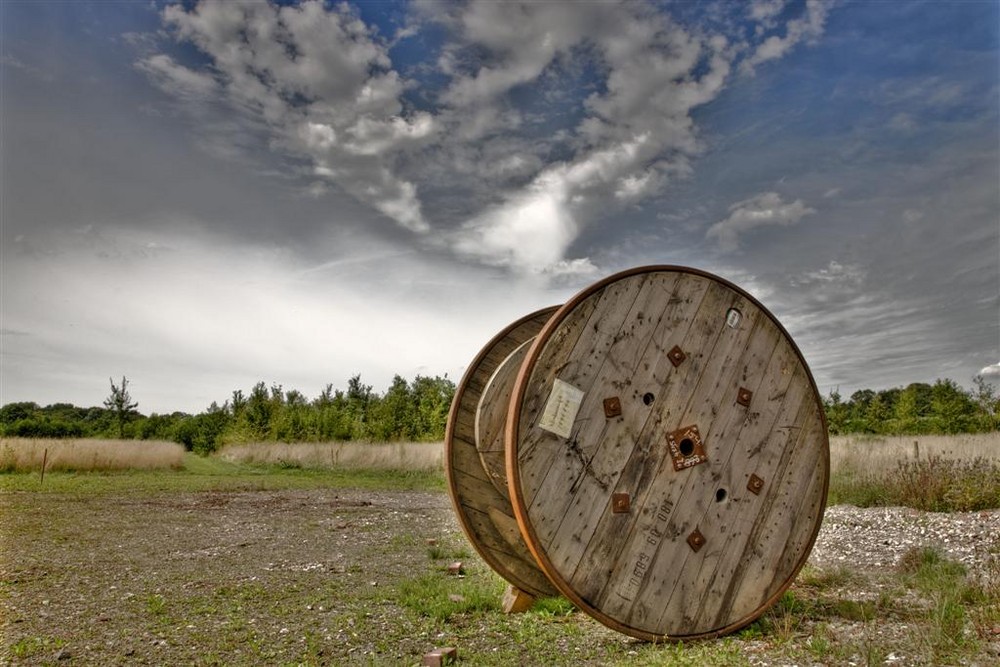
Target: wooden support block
[
  {"x": 440, "y": 657},
  {"x": 516, "y": 601}
]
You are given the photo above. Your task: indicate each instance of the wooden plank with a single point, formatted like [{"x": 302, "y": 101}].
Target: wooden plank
[
  {"x": 642, "y": 562},
  {"x": 574, "y": 332},
  {"x": 611, "y": 368},
  {"x": 787, "y": 525},
  {"x": 586, "y": 527},
  {"x": 676, "y": 610},
  {"x": 516, "y": 560},
  {"x": 491, "y": 418},
  {"x": 516, "y": 601}
]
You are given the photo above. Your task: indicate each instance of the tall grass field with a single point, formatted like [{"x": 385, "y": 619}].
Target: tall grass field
[
  {"x": 935, "y": 473},
  {"x": 81, "y": 455},
  {"x": 359, "y": 455},
  {"x": 956, "y": 473}
]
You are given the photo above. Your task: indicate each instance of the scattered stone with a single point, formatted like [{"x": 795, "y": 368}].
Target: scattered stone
[
  {"x": 456, "y": 568},
  {"x": 440, "y": 657}
]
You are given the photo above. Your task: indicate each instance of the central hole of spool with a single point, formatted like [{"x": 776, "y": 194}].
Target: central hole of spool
[
  {"x": 687, "y": 447},
  {"x": 648, "y": 398},
  {"x": 720, "y": 495}
]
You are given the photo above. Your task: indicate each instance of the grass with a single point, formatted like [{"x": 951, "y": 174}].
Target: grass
[
  {"x": 29, "y": 454},
  {"x": 199, "y": 473},
  {"x": 943, "y": 583},
  {"x": 935, "y": 473},
  {"x": 932, "y": 473},
  {"x": 945, "y": 615},
  {"x": 225, "y": 584},
  {"x": 395, "y": 455}
]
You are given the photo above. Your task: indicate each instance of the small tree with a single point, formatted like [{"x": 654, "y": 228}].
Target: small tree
[{"x": 120, "y": 404}]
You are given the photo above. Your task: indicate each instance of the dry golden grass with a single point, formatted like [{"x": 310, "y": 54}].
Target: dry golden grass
[
  {"x": 378, "y": 456},
  {"x": 881, "y": 454},
  {"x": 27, "y": 454},
  {"x": 869, "y": 453}
]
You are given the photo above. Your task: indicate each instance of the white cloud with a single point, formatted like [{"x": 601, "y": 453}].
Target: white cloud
[
  {"x": 833, "y": 273},
  {"x": 529, "y": 233},
  {"x": 523, "y": 38},
  {"x": 208, "y": 305},
  {"x": 809, "y": 26},
  {"x": 177, "y": 79},
  {"x": 765, "y": 10},
  {"x": 763, "y": 210},
  {"x": 320, "y": 82},
  {"x": 991, "y": 372},
  {"x": 637, "y": 135},
  {"x": 321, "y": 85}
]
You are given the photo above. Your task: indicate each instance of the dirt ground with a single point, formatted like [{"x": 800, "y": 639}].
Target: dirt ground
[{"x": 321, "y": 577}]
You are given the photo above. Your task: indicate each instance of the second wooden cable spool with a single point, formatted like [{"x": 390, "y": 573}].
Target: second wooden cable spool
[{"x": 665, "y": 452}]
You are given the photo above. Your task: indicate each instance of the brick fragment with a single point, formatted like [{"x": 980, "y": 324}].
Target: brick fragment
[{"x": 440, "y": 657}]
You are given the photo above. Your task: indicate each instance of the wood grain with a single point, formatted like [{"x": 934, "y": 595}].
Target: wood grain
[
  {"x": 486, "y": 515},
  {"x": 746, "y": 388}
]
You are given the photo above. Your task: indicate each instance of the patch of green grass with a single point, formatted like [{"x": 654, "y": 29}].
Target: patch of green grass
[
  {"x": 213, "y": 474},
  {"x": 447, "y": 552},
  {"x": 156, "y": 604},
  {"x": 861, "y": 611},
  {"x": 943, "y": 582},
  {"x": 442, "y": 596},
  {"x": 820, "y": 644},
  {"x": 827, "y": 579},
  {"x": 716, "y": 653},
  {"x": 29, "y": 647},
  {"x": 850, "y": 487},
  {"x": 553, "y": 607}
]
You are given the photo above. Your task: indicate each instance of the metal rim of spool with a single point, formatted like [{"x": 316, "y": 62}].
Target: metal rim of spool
[
  {"x": 695, "y": 539},
  {"x": 464, "y": 405}
]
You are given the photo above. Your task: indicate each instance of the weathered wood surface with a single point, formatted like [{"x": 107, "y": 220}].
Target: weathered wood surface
[
  {"x": 491, "y": 416},
  {"x": 636, "y": 570},
  {"x": 484, "y": 513}
]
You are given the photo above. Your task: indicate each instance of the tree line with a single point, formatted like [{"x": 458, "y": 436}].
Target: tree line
[
  {"x": 414, "y": 410},
  {"x": 917, "y": 409},
  {"x": 417, "y": 410}
]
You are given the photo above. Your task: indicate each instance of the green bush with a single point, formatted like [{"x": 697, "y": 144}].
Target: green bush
[
  {"x": 934, "y": 484},
  {"x": 44, "y": 427}
]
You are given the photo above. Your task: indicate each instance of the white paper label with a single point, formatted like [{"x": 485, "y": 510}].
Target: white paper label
[{"x": 561, "y": 408}]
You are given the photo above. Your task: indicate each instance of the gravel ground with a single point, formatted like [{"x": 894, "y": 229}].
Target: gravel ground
[
  {"x": 875, "y": 538},
  {"x": 287, "y": 577}
]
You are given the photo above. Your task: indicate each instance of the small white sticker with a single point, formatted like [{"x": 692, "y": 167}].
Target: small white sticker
[{"x": 561, "y": 408}]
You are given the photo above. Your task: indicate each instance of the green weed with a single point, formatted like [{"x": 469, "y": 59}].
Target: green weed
[
  {"x": 442, "y": 596},
  {"x": 943, "y": 583},
  {"x": 935, "y": 484},
  {"x": 553, "y": 607},
  {"x": 32, "y": 646}
]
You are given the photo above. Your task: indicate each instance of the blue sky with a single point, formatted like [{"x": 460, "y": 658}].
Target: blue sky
[{"x": 203, "y": 196}]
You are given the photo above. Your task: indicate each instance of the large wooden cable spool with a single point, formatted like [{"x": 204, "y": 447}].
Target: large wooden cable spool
[
  {"x": 476, "y": 479},
  {"x": 666, "y": 449}
]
